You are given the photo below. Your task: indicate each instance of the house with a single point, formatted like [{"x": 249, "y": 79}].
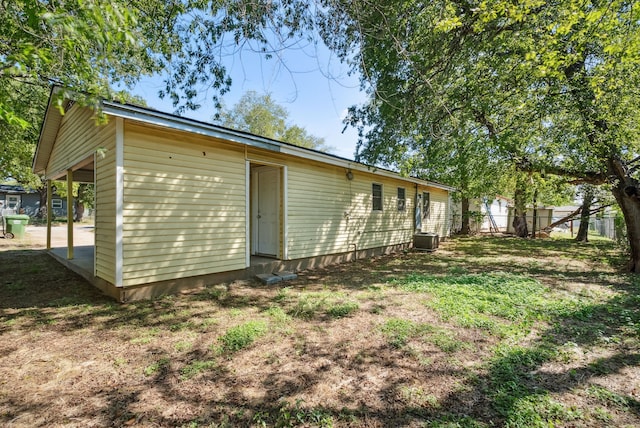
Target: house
[
  {"x": 13, "y": 198},
  {"x": 181, "y": 203},
  {"x": 27, "y": 201}
]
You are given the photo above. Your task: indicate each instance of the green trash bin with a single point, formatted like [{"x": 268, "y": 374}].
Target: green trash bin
[{"x": 15, "y": 225}]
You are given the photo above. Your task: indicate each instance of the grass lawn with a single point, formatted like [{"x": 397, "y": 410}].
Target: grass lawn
[{"x": 484, "y": 332}]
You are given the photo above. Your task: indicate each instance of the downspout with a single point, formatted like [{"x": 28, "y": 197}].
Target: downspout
[
  {"x": 347, "y": 215},
  {"x": 416, "y": 212},
  {"x": 449, "y": 217},
  {"x": 355, "y": 251}
]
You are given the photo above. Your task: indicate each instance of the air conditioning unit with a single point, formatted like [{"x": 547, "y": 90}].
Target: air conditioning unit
[{"x": 426, "y": 241}]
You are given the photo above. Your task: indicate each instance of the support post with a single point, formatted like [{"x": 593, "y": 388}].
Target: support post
[
  {"x": 49, "y": 213},
  {"x": 69, "y": 214}
]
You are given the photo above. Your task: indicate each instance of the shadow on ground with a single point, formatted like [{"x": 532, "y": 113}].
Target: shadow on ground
[{"x": 569, "y": 370}]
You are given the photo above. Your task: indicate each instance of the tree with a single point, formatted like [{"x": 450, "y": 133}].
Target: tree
[
  {"x": 553, "y": 84},
  {"x": 261, "y": 115},
  {"x": 93, "y": 46},
  {"x": 459, "y": 157},
  {"x": 97, "y": 49},
  {"x": 17, "y": 140}
]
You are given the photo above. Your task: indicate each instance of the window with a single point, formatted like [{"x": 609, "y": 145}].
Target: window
[
  {"x": 402, "y": 199},
  {"x": 56, "y": 204},
  {"x": 426, "y": 204},
  {"x": 376, "y": 191}
]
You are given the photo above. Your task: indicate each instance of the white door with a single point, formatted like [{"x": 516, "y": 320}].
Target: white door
[
  {"x": 13, "y": 202},
  {"x": 267, "y": 210}
]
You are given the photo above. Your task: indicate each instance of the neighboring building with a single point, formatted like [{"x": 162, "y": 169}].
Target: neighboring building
[
  {"x": 27, "y": 201},
  {"x": 480, "y": 220},
  {"x": 14, "y": 198},
  {"x": 544, "y": 217},
  {"x": 181, "y": 203}
]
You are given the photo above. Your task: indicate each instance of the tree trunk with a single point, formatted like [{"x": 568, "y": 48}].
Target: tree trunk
[
  {"x": 42, "y": 209},
  {"x": 627, "y": 194},
  {"x": 520, "y": 224},
  {"x": 587, "y": 200},
  {"x": 520, "y": 209},
  {"x": 465, "y": 217},
  {"x": 78, "y": 205},
  {"x": 78, "y": 210}
]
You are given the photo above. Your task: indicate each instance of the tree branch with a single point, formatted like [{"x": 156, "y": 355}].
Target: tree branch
[{"x": 590, "y": 177}]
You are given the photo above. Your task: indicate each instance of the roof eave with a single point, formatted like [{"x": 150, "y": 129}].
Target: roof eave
[
  {"x": 48, "y": 133},
  {"x": 158, "y": 118},
  {"x": 53, "y": 117}
]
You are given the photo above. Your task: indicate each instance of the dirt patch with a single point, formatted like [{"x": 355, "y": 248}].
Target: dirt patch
[{"x": 350, "y": 345}]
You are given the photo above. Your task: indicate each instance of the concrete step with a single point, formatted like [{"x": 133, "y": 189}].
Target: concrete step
[{"x": 274, "y": 278}]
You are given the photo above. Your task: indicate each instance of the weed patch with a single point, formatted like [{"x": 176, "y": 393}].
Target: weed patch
[
  {"x": 194, "y": 368},
  {"x": 341, "y": 310},
  {"x": 156, "y": 367},
  {"x": 291, "y": 415},
  {"x": 278, "y": 315},
  {"x": 500, "y": 303},
  {"x": 243, "y": 335},
  {"x": 399, "y": 331}
]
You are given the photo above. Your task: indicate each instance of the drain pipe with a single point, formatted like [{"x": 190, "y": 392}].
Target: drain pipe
[{"x": 355, "y": 251}]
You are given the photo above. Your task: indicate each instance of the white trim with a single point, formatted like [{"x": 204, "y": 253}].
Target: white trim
[
  {"x": 279, "y": 253},
  {"x": 262, "y": 162},
  {"x": 285, "y": 211},
  {"x": 95, "y": 212},
  {"x": 373, "y": 210},
  {"x": 247, "y": 212},
  {"x": 253, "y": 185},
  {"x": 119, "y": 200}
]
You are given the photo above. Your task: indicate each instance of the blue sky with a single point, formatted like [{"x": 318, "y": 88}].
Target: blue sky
[{"x": 305, "y": 79}]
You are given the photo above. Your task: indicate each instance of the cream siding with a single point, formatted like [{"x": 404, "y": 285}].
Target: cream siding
[
  {"x": 184, "y": 206},
  {"x": 329, "y": 214},
  {"x": 78, "y": 138},
  {"x": 438, "y": 219}
]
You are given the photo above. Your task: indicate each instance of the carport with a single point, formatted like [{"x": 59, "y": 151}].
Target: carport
[{"x": 79, "y": 258}]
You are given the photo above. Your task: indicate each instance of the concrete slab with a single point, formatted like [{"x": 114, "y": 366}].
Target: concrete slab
[
  {"x": 83, "y": 234},
  {"x": 286, "y": 275},
  {"x": 269, "y": 278}
]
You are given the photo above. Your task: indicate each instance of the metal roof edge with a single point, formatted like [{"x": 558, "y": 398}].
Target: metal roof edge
[
  {"x": 45, "y": 126},
  {"x": 141, "y": 114},
  {"x": 145, "y": 115}
]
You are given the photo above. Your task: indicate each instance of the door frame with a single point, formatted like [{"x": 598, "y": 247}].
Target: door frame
[{"x": 251, "y": 203}]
